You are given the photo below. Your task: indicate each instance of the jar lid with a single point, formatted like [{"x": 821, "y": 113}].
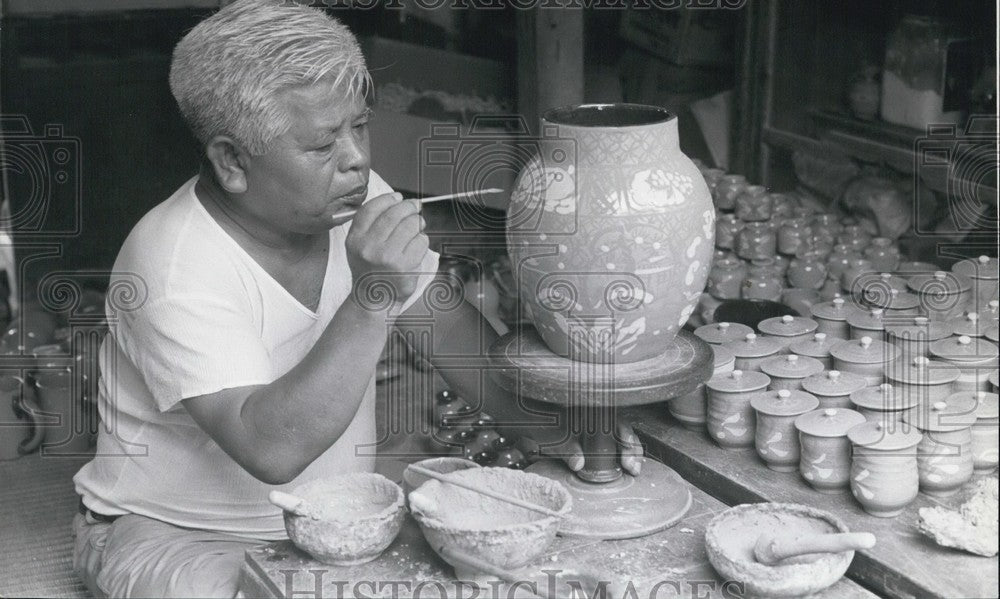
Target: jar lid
[
  {"x": 885, "y": 436},
  {"x": 993, "y": 333},
  {"x": 738, "y": 381},
  {"x": 787, "y": 326},
  {"x": 835, "y": 309},
  {"x": 939, "y": 283},
  {"x": 912, "y": 268},
  {"x": 986, "y": 403},
  {"x": 829, "y": 422},
  {"x": 722, "y": 332},
  {"x": 969, "y": 324},
  {"x": 816, "y": 347},
  {"x": 833, "y": 383},
  {"x": 983, "y": 267},
  {"x": 921, "y": 371},
  {"x": 919, "y": 327},
  {"x": 784, "y": 402},
  {"x": 752, "y": 346},
  {"x": 883, "y": 398},
  {"x": 865, "y": 351},
  {"x": 872, "y": 320},
  {"x": 964, "y": 349},
  {"x": 956, "y": 412},
  {"x": 791, "y": 366},
  {"x": 721, "y": 356}
]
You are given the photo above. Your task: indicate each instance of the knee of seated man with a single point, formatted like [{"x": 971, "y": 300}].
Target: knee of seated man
[{"x": 148, "y": 558}]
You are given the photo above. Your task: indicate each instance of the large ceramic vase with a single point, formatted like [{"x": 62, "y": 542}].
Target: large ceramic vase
[{"x": 611, "y": 230}]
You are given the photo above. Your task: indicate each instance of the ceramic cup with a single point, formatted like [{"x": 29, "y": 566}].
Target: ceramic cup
[
  {"x": 690, "y": 409},
  {"x": 884, "y": 474},
  {"x": 944, "y": 454},
  {"x": 776, "y": 440},
  {"x": 731, "y": 422},
  {"x": 825, "y": 460}
]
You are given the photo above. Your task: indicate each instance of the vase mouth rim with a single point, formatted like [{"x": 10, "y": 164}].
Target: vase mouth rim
[{"x": 617, "y": 115}]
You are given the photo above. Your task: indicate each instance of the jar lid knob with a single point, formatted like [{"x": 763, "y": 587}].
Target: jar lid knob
[
  {"x": 984, "y": 259},
  {"x": 973, "y": 316},
  {"x": 939, "y": 406},
  {"x": 792, "y": 358},
  {"x": 940, "y": 275},
  {"x": 784, "y": 393},
  {"x": 866, "y": 342},
  {"x": 830, "y": 412},
  {"x": 833, "y": 375},
  {"x": 737, "y": 374},
  {"x": 894, "y": 292},
  {"x": 885, "y": 276},
  {"x": 994, "y": 305},
  {"x": 820, "y": 337},
  {"x": 787, "y": 318},
  {"x": 751, "y": 337},
  {"x": 920, "y": 361},
  {"x": 723, "y": 325},
  {"x": 964, "y": 340},
  {"x": 838, "y": 302},
  {"x": 877, "y": 312},
  {"x": 885, "y": 387},
  {"x": 921, "y": 320}
]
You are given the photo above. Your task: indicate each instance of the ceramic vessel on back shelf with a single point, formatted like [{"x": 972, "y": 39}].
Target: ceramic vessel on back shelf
[
  {"x": 833, "y": 388},
  {"x": 943, "y": 295},
  {"x": 866, "y": 357},
  {"x": 985, "y": 432},
  {"x": 883, "y": 403},
  {"x": 984, "y": 272},
  {"x": 973, "y": 356},
  {"x": 611, "y": 230}
]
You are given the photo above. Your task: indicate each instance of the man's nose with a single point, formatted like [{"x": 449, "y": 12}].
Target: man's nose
[{"x": 354, "y": 154}]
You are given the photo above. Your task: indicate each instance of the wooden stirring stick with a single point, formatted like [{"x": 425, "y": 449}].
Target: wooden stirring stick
[
  {"x": 483, "y": 491},
  {"x": 450, "y": 196}
]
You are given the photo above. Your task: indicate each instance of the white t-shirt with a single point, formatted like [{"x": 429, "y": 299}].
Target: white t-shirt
[{"x": 205, "y": 317}]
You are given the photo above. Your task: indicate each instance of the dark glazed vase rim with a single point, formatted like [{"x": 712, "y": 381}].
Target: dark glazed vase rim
[{"x": 608, "y": 115}]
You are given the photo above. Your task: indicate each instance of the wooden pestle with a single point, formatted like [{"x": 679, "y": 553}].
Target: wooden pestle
[
  {"x": 288, "y": 502},
  {"x": 484, "y": 491},
  {"x": 772, "y": 548}
]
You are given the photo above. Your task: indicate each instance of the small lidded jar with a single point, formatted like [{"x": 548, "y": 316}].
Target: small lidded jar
[
  {"x": 883, "y": 403},
  {"x": 985, "y": 432},
  {"x": 806, "y": 272},
  {"x": 722, "y": 332},
  {"x": 973, "y": 356},
  {"x": 831, "y": 317},
  {"x": 925, "y": 381},
  {"x": 833, "y": 388},
  {"x": 730, "y": 418},
  {"x": 787, "y": 371},
  {"x": 753, "y": 204},
  {"x": 866, "y": 357},
  {"x": 752, "y": 350},
  {"x": 726, "y": 190},
  {"x": 725, "y": 280},
  {"x": 943, "y": 295},
  {"x": 914, "y": 336},
  {"x": 792, "y": 235},
  {"x": 984, "y": 272},
  {"x": 883, "y": 254},
  {"x": 690, "y": 409},
  {"x": 756, "y": 240},
  {"x": 869, "y": 323},
  {"x": 726, "y": 228},
  {"x": 788, "y": 329},
  {"x": 944, "y": 455},
  {"x": 776, "y": 439},
  {"x": 825, "y": 450},
  {"x": 969, "y": 324},
  {"x": 884, "y": 474},
  {"x": 855, "y": 271},
  {"x": 817, "y": 347}
]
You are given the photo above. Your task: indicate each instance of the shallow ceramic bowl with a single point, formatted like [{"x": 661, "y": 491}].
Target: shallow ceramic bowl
[
  {"x": 444, "y": 465},
  {"x": 731, "y": 536},
  {"x": 350, "y": 519},
  {"x": 497, "y": 532}
]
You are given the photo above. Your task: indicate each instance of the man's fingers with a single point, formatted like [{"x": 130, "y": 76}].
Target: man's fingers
[
  {"x": 372, "y": 209},
  {"x": 631, "y": 449},
  {"x": 570, "y": 452}
]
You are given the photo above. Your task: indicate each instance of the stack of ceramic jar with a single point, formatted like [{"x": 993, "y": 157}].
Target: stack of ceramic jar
[{"x": 887, "y": 381}]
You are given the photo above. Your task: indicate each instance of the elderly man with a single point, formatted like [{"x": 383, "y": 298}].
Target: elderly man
[{"x": 249, "y": 365}]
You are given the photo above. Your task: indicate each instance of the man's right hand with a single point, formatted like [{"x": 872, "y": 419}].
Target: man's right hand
[{"x": 386, "y": 243}]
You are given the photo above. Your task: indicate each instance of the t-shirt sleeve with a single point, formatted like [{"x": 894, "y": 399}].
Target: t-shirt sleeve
[{"x": 186, "y": 346}]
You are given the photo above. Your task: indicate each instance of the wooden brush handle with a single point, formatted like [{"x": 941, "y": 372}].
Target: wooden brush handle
[
  {"x": 288, "y": 502},
  {"x": 483, "y": 491},
  {"x": 784, "y": 547}
]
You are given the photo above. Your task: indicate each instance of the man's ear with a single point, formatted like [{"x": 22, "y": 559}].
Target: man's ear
[{"x": 228, "y": 162}]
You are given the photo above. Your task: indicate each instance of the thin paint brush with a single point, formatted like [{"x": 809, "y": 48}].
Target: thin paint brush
[{"x": 450, "y": 196}]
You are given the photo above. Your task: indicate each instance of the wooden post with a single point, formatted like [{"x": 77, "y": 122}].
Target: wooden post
[{"x": 549, "y": 60}]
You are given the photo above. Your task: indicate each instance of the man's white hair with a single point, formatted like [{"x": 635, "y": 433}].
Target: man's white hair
[{"x": 228, "y": 72}]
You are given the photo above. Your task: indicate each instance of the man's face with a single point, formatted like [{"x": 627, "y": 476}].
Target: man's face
[{"x": 318, "y": 167}]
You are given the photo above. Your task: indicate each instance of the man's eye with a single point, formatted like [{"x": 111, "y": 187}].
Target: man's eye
[{"x": 324, "y": 149}]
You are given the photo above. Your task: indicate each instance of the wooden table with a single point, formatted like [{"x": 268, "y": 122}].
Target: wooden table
[{"x": 903, "y": 564}]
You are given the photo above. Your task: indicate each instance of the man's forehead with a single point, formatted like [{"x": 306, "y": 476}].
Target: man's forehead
[{"x": 323, "y": 106}]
